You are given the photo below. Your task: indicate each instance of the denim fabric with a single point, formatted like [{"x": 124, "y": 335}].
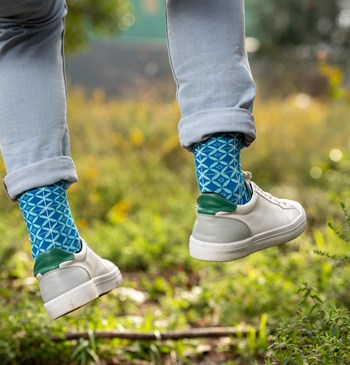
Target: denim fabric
[
  {"x": 34, "y": 137},
  {"x": 215, "y": 89}
]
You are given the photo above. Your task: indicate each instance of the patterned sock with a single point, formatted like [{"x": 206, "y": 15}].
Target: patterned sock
[
  {"x": 218, "y": 167},
  {"x": 48, "y": 219}
]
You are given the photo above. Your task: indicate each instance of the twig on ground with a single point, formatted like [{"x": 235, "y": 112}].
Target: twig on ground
[{"x": 209, "y": 332}]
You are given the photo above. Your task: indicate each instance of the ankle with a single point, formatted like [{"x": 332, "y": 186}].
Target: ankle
[{"x": 218, "y": 167}]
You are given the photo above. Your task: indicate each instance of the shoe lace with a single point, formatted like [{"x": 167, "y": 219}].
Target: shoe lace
[
  {"x": 247, "y": 176},
  {"x": 271, "y": 197}
]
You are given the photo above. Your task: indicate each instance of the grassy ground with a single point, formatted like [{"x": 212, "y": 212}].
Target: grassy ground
[{"x": 134, "y": 204}]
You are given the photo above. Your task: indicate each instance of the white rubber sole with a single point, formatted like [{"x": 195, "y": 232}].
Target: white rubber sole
[
  {"x": 210, "y": 251},
  {"x": 83, "y": 294}
]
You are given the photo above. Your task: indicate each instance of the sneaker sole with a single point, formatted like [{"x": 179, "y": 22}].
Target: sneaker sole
[
  {"x": 210, "y": 251},
  {"x": 83, "y": 294}
]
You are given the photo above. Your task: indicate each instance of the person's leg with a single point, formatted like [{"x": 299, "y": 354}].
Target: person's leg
[
  {"x": 215, "y": 88},
  {"x": 215, "y": 91},
  {"x": 33, "y": 131},
  {"x": 34, "y": 143}
]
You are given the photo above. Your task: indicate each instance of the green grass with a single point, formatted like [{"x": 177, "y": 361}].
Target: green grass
[{"x": 134, "y": 204}]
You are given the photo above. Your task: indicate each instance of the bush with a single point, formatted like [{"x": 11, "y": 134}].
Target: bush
[{"x": 319, "y": 333}]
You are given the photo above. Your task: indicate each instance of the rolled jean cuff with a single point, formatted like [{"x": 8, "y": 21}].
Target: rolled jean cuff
[
  {"x": 46, "y": 172},
  {"x": 199, "y": 126}
]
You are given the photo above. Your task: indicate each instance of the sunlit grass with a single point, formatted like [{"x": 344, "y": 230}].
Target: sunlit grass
[{"x": 134, "y": 204}]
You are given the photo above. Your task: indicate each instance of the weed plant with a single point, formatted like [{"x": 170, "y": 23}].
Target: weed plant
[{"x": 319, "y": 333}]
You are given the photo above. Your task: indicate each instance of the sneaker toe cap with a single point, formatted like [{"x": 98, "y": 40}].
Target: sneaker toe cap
[{"x": 294, "y": 209}]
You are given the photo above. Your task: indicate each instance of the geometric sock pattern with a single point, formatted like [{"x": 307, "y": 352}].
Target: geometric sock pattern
[
  {"x": 218, "y": 167},
  {"x": 49, "y": 220}
]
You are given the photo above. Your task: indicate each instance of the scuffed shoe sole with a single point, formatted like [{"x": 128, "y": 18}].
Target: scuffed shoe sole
[{"x": 83, "y": 294}]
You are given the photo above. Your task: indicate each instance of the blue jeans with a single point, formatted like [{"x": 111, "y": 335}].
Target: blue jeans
[{"x": 215, "y": 88}]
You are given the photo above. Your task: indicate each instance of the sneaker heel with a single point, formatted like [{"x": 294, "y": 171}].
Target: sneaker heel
[{"x": 65, "y": 290}]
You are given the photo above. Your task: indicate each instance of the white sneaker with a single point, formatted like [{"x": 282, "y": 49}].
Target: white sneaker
[
  {"x": 70, "y": 280},
  {"x": 225, "y": 231}
]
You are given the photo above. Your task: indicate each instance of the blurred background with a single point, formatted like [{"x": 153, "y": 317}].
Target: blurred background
[
  {"x": 286, "y": 42},
  {"x": 134, "y": 202}
]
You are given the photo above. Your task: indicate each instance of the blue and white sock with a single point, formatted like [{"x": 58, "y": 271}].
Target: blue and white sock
[
  {"x": 218, "y": 167},
  {"x": 49, "y": 220}
]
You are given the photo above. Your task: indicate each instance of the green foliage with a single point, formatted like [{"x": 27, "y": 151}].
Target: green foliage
[
  {"x": 304, "y": 27},
  {"x": 319, "y": 333},
  {"x": 85, "y": 351},
  {"x": 316, "y": 335},
  {"x": 335, "y": 78},
  {"x": 24, "y": 338},
  {"x": 134, "y": 204},
  {"x": 344, "y": 234},
  {"x": 86, "y": 17}
]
